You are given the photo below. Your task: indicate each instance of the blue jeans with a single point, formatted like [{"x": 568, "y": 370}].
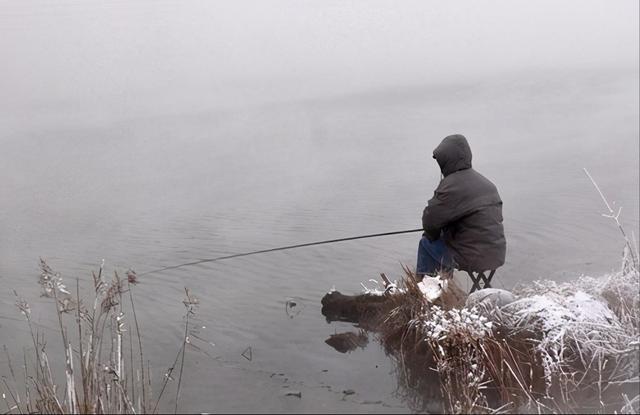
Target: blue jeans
[{"x": 433, "y": 256}]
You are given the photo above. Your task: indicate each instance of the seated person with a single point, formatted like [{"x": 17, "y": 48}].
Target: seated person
[{"x": 463, "y": 221}]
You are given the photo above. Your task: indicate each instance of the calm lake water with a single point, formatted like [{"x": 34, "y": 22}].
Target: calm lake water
[{"x": 152, "y": 191}]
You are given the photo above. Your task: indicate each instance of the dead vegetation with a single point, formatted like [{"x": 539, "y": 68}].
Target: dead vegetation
[
  {"x": 106, "y": 370},
  {"x": 559, "y": 348}
]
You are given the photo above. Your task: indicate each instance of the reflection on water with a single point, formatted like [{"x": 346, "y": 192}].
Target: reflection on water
[
  {"x": 418, "y": 383},
  {"x": 348, "y": 341},
  {"x": 150, "y": 192}
]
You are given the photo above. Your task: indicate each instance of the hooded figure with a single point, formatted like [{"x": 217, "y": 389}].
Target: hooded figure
[{"x": 463, "y": 220}]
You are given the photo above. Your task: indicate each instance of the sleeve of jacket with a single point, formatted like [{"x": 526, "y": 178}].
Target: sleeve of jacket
[{"x": 438, "y": 213}]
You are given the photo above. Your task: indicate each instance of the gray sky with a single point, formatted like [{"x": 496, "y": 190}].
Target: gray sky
[{"x": 128, "y": 55}]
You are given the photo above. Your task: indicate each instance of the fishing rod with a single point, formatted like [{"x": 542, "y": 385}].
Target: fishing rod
[{"x": 282, "y": 248}]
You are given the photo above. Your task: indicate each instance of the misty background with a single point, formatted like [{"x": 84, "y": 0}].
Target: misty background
[
  {"x": 90, "y": 62},
  {"x": 153, "y": 133}
]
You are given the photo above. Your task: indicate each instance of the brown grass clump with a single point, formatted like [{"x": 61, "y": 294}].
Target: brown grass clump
[
  {"x": 408, "y": 302},
  {"x": 557, "y": 349}
]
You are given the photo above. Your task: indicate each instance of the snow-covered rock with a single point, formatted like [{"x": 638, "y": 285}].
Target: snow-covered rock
[{"x": 490, "y": 298}]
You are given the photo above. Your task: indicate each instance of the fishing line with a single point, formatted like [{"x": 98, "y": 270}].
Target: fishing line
[{"x": 282, "y": 248}]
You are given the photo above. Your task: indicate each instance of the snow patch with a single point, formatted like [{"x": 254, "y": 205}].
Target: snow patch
[
  {"x": 432, "y": 287},
  {"x": 439, "y": 324}
]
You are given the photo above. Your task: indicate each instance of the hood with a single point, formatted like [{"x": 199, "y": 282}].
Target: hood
[{"x": 453, "y": 154}]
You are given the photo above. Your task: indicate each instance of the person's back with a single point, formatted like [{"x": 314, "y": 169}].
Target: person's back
[{"x": 463, "y": 220}]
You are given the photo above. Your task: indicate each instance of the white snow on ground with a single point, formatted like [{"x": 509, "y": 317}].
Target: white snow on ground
[
  {"x": 431, "y": 288},
  {"x": 589, "y": 321},
  {"x": 378, "y": 290},
  {"x": 574, "y": 319},
  {"x": 554, "y": 313},
  {"x": 440, "y": 323},
  {"x": 588, "y": 308}
]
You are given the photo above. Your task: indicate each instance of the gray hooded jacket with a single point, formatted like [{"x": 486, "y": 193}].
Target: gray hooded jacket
[{"x": 466, "y": 210}]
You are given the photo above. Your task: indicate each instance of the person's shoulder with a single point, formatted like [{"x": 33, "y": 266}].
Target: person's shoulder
[
  {"x": 460, "y": 176},
  {"x": 453, "y": 182},
  {"x": 483, "y": 179}
]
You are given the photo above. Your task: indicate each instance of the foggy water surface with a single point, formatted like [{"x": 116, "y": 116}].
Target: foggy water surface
[
  {"x": 154, "y": 133},
  {"x": 151, "y": 192}
]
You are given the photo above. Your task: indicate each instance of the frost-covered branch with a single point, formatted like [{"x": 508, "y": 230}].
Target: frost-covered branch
[{"x": 616, "y": 217}]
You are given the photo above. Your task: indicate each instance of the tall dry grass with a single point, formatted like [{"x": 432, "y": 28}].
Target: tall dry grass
[
  {"x": 106, "y": 372},
  {"x": 515, "y": 358}
]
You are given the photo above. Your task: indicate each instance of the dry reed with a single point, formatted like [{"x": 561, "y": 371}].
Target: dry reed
[
  {"x": 105, "y": 374},
  {"x": 559, "y": 348}
]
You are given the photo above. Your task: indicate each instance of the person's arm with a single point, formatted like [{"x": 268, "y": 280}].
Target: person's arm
[{"x": 437, "y": 214}]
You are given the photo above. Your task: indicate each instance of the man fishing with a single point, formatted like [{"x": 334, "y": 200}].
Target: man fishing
[
  {"x": 463, "y": 221},
  {"x": 462, "y": 224}
]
